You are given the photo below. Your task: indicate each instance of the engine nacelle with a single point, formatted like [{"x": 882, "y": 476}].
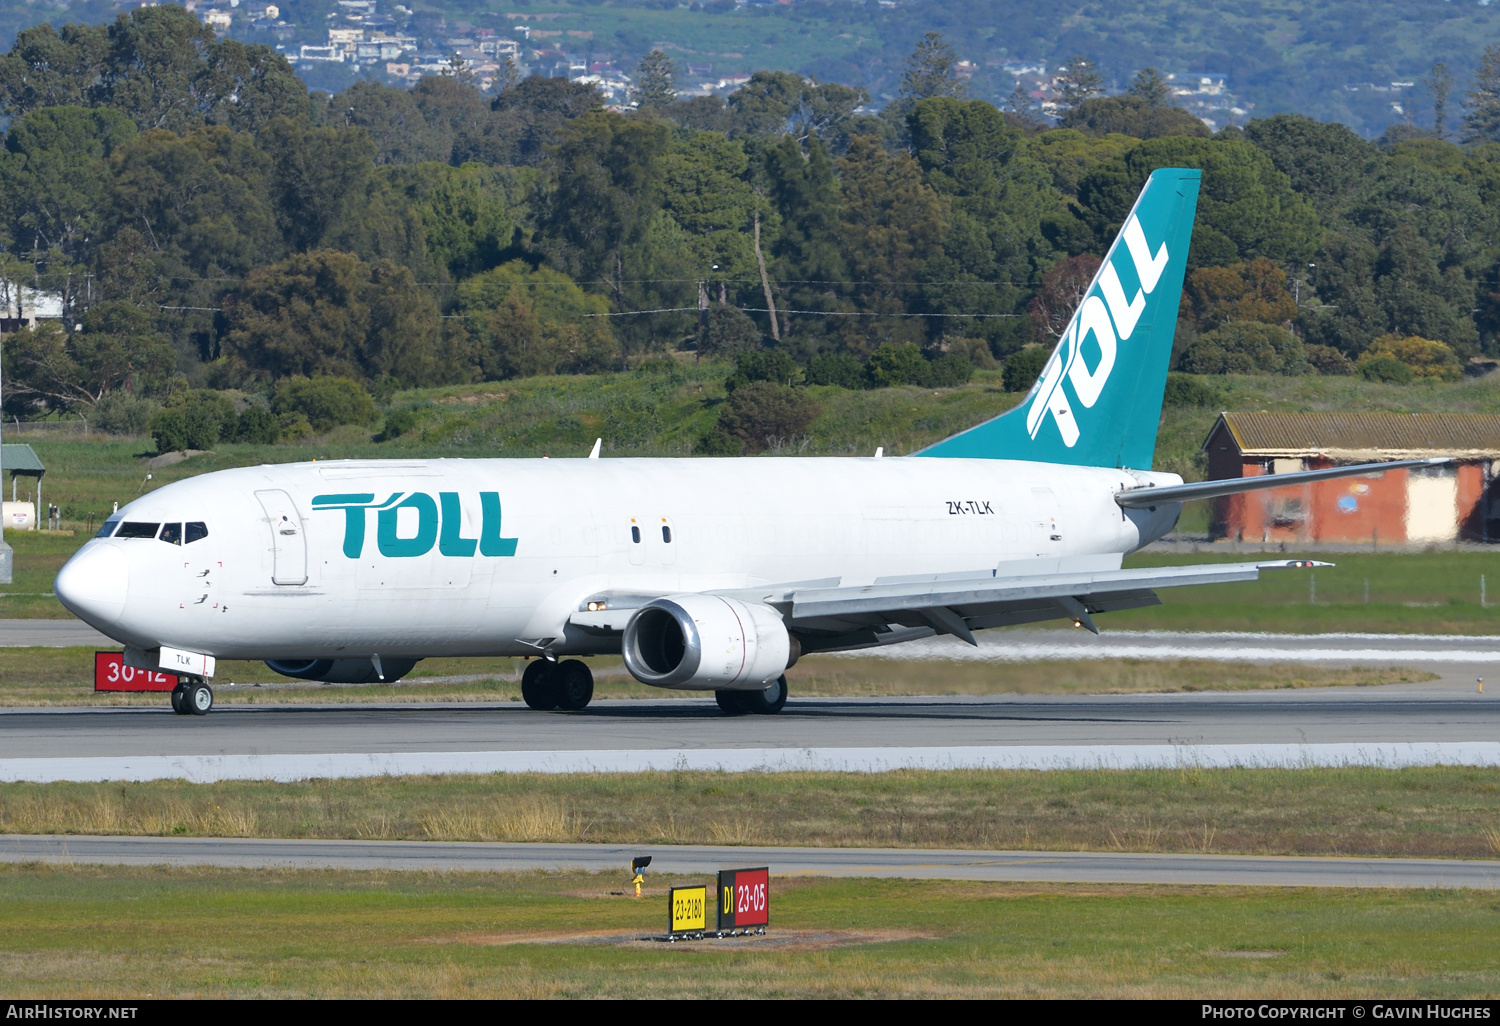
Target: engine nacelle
[
  {"x": 342, "y": 671},
  {"x": 706, "y": 643}
]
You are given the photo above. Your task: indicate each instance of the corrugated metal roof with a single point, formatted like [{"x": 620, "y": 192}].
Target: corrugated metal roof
[
  {"x": 20, "y": 459},
  {"x": 1363, "y": 435}
]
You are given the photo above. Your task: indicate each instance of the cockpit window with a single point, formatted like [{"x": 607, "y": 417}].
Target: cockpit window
[
  {"x": 171, "y": 534},
  {"x": 108, "y": 528},
  {"x": 196, "y": 530},
  {"x": 136, "y": 529}
]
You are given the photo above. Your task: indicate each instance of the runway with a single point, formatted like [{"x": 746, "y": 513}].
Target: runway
[
  {"x": 670, "y": 863},
  {"x": 1337, "y": 726}
]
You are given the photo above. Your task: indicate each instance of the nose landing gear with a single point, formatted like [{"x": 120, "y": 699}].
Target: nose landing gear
[{"x": 192, "y": 697}]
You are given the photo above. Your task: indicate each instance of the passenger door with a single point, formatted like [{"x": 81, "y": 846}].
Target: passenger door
[{"x": 288, "y": 540}]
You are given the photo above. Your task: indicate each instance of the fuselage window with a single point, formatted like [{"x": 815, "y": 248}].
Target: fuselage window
[
  {"x": 108, "y": 528},
  {"x": 136, "y": 529},
  {"x": 196, "y": 530},
  {"x": 171, "y": 534},
  {"x": 635, "y": 534},
  {"x": 666, "y": 534}
]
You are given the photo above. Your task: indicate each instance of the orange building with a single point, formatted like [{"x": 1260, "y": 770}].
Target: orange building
[{"x": 1423, "y": 505}]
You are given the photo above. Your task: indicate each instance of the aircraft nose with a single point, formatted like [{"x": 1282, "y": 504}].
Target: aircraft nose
[{"x": 93, "y": 584}]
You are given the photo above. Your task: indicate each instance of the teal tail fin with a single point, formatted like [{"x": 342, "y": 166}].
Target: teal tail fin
[{"x": 1098, "y": 400}]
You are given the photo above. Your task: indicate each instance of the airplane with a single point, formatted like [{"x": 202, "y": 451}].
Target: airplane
[{"x": 704, "y": 574}]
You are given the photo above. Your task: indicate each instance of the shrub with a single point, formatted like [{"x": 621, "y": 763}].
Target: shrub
[
  {"x": 1187, "y": 390},
  {"x": 762, "y": 365},
  {"x": 1422, "y": 356},
  {"x": 326, "y": 402},
  {"x": 1328, "y": 360},
  {"x": 726, "y": 330},
  {"x": 121, "y": 413},
  {"x": 398, "y": 423},
  {"x": 1385, "y": 368},
  {"x": 948, "y": 370},
  {"x": 896, "y": 365},
  {"x": 1246, "y": 347},
  {"x": 763, "y": 413},
  {"x": 195, "y": 420},
  {"x": 257, "y": 426},
  {"x": 1022, "y": 368},
  {"x": 839, "y": 369}
]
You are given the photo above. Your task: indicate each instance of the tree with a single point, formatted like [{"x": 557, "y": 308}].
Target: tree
[
  {"x": 1325, "y": 162},
  {"x": 1424, "y": 357},
  {"x": 1253, "y": 291},
  {"x": 394, "y": 122},
  {"x": 1439, "y": 83},
  {"x": 764, "y": 105},
  {"x": 763, "y": 414},
  {"x": 468, "y": 214},
  {"x": 890, "y": 220},
  {"x": 53, "y": 178},
  {"x": 318, "y": 174},
  {"x": 1482, "y": 105},
  {"x": 529, "y": 117},
  {"x": 326, "y": 402},
  {"x": 1134, "y": 116},
  {"x": 1246, "y": 207},
  {"x": 50, "y": 369},
  {"x": 1149, "y": 85},
  {"x": 1062, "y": 290},
  {"x": 455, "y": 110},
  {"x": 1246, "y": 347},
  {"x": 51, "y": 68},
  {"x": 330, "y": 313},
  {"x": 929, "y": 71},
  {"x": 598, "y": 219},
  {"x": 155, "y": 56},
  {"x": 656, "y": 83},
  {"x": 1079, "y": 80},
  {"x": 529, "y": 321}
]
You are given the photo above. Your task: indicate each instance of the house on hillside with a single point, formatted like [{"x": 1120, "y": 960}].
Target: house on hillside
[{"x": 1425, "y": 505}]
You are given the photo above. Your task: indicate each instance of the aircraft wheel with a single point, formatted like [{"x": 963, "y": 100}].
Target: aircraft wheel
[
  {"x": 538, "y": 685},
  {"x": 199, "y": 699},
  {"x": 731, "y": 703},
  {"x": 179, "y": 699},
  {"x": 768, "y": 701},
  {"x": 574, "y": 684}
]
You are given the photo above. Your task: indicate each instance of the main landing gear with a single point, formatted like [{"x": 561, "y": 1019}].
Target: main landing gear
[
  {"x": 192, "y": 697},
  {"x": 763, "y": 703},
  {"x": 567, "y": 685}
]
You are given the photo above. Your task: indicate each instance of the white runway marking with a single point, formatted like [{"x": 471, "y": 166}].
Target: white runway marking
[
  {"x": 211, "y": 768},
  {"x": 1356, "y": 649}
]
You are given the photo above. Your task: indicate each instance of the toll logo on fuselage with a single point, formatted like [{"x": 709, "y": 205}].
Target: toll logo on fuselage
[{"x": 439, "y": 522}]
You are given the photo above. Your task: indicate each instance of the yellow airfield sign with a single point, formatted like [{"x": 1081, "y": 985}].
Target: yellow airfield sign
[{"x": 689, "y": 908}]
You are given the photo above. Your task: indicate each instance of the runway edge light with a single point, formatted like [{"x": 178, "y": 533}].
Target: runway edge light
[{"x": 744, "y": 900}]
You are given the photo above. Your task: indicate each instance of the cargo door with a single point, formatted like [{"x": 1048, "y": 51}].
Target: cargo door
[{"x": 288, "y": 540}]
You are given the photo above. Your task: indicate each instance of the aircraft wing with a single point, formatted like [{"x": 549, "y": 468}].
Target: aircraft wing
[
  {"x": 828, "y": 616},
  {"x": 962, "y": 604},
  {"x": 1150, "y": 497}
]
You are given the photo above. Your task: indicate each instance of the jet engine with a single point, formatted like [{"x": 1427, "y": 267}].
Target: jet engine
[
  {"x": 706, "y": 643},
  {"x": 342, "y": 671}
]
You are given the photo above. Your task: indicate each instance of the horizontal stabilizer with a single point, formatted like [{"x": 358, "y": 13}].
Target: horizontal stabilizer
[{"x": 1150, "y": 498}]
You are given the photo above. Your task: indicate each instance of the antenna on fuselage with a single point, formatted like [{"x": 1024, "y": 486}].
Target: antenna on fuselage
[{"x": 594, "y": 452}]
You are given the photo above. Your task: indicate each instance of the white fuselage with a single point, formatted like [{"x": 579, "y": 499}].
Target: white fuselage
[{"x": 732, "y": 523}]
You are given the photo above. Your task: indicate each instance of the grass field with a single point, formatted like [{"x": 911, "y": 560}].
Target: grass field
[
  {"x": 1448, "y": 812},
  {"x": 65, "y": 676},
  {"x": 665, "y": 408},
  {"x": 84, "y": 932}
]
